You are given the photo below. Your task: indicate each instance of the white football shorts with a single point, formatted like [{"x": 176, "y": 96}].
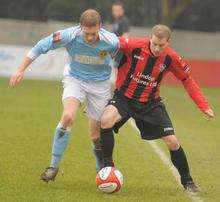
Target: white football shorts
[{"x": 96, "y": 93}]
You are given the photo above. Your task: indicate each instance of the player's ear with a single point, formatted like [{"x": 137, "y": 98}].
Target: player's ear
[{"x": 81, "y": 26}]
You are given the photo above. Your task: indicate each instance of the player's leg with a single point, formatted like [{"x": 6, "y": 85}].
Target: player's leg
[
  {"x": 94, "y": 129},
  {"x": 155, "y": 124},
  {"x": 61, "y": 137},
  {"x": 178, "y": 157},
  {"x": 177, "y": 154},
  {"x": 179, "y": 160},
  {"x": 108, "y": 120},
  {"x": 98, "y": 94},
  {"x": 62, "y": 132},
  {"x": 73, "y": 95}
]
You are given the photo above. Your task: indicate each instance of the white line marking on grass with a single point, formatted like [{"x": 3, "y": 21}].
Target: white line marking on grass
[{"x": 167, "y": 162}]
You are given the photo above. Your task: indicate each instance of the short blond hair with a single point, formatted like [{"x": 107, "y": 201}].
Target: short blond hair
[
  {"x": 161, "y": 31},
  {"x": 90, "y": 18}
]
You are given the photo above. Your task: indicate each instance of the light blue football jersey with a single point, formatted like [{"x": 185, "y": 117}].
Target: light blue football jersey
[{"x": 86, "y": 62}]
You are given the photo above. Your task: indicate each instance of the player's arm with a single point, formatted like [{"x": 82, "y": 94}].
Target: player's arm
[
  {"x": 114, "y": 45},
  {"x": 54, "y": 41},
  {"x": 124, "y": 44},
  {"x": 182, "y": 72},
  {"x": 196, "y": 94},
  {"x": 19, "y": 74},
  {"x": 128, "y": 44}
]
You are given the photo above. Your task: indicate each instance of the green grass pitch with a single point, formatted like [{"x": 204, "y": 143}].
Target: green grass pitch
[{"x": 29, "y": 114}]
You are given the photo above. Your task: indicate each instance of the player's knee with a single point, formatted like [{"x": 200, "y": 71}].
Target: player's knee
[
  {"x": 95, "y": 136},
  {"x": 172, "y": 142},
  {"x": 106, "y": 121},
  {"x": 96, "y": 142},
  {"x": 174, "y": 146},
  {"x": 67, "y": 118}
]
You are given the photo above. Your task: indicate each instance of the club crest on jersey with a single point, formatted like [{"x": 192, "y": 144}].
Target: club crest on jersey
[
  {"x": 102, "y": 54},
  {"x": 162, "y": 67},
  {"x": 56, "y": 37}
]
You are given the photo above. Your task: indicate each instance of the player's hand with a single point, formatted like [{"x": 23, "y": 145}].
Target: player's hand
[
  {"x": 16, "y": 78},
  {"x": 210, "y": 114}
]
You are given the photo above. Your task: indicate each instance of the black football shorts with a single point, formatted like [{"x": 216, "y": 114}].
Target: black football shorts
[{"x": 151, "y": 119}]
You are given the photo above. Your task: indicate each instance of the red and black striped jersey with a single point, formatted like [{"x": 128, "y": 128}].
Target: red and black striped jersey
[{"x": 140, "y": 73}]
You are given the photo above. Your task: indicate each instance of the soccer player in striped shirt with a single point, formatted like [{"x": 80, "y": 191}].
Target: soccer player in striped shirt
[
  {"x": 137, "y": 95},
  {"x": 90, "y": 49}
]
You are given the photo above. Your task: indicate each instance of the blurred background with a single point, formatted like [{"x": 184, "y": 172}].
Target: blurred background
[
  {"x": 195, "y": 25},
  {"x": 29, "y": 112},
  {"x": 180, "y": 14}
]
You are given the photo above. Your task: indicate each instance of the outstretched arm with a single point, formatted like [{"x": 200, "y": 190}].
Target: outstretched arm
[
  {"x": 19, "y": 74},
  {"x": 54, "y": 41},
  {"x": 196, "y": 94},
  {"x": 182, "y": 72}
]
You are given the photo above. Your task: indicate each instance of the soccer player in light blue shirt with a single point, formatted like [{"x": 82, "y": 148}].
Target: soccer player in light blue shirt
[{"x": 86, "y": 75}]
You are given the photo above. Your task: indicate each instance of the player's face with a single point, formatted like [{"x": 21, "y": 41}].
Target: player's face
[
  {"x": 117, "y": 11},
  {"x": 157, "y": 45},
  {"x": 90, "y": 34}
]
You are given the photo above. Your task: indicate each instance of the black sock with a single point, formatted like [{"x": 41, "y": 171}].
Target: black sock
[
  {"x": 107, "y": 144},
  {"x": 179, "y": 160}
]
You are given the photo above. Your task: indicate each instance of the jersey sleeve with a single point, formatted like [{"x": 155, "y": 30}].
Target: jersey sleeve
[
  {"x": 125, "y": 44},
  {"x": 181, "y": 70},
  {"x": 56, "y": 40},
  {"x": 128, "y": 44},
  {"x": 115, "y": 45}
]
